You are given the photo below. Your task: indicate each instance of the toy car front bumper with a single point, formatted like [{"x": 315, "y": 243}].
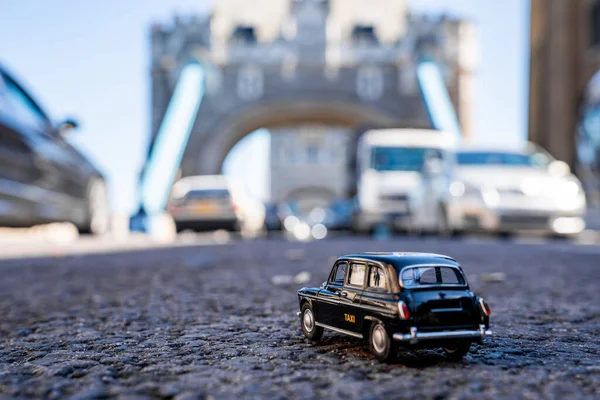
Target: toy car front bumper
[{"x": 415, "y": 337}]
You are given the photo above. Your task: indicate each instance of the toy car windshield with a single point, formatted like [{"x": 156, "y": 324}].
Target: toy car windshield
[{"x": 431, "y": 276}]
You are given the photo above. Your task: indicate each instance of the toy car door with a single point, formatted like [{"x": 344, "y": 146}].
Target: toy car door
[
  {"x": 352, "y": 314},
  {"x": 329, "y": 310},
  {"x": 377, "y": 295}
]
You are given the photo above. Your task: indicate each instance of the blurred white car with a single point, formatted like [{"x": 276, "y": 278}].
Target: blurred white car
[
  {"x": 214, "y": 202},
  {"x": 512, "y": 189}
]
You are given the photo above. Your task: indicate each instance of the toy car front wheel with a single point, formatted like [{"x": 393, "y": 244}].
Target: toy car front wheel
[
  {"x": 382, "y": 346},
  {"x": 308, "y": 324},
  {"x": 457, "y": 351}
]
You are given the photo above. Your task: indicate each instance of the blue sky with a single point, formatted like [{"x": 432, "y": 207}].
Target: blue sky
[{"x": 90, "y": 60}]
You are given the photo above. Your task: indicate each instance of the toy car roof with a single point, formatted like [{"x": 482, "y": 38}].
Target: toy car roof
[{"x": 401, "y": 260}]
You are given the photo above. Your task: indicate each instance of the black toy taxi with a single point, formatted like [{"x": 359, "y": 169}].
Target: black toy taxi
[{"x": 415, "y": 300}]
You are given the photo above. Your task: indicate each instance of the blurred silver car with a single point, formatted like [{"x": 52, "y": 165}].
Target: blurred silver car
[
  {"x": 208, "y": 202},
  {"x": 203, "y": 202},
  {"x": 512, "y": 189}
]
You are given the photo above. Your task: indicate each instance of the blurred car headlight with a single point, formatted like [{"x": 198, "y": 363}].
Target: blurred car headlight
[
  {"x": 570, "y": 188},
  {"x": 491, "y": 197},
  {"x": 368, "y": 199},
  {"x": 568, "y": 194},
  {"x": 531, "y": 186},
  {"x": 457, "y": 188},
  {"x": 460, "y": 188}
]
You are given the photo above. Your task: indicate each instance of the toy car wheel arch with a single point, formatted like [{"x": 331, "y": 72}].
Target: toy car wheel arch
[
  {"x": 308, "y": 324},
  {"x": 457, "y": 351},
  {"x": 381, "y": 344}
]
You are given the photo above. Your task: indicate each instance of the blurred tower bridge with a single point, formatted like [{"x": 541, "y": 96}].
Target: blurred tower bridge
[{"x": 283, "y": 64}]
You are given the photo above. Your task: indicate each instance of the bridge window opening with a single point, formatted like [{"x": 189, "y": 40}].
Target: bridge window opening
[
  {"x": 364, "y": 35},
  {"x": 243, "y": 35},
  {"x": 312, "y": 153}
]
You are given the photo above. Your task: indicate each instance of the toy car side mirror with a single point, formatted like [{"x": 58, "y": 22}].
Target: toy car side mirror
[{"x": 323, "y": 285}]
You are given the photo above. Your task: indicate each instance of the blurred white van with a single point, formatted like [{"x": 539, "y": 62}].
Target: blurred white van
[{"x": 403, "y": 179}]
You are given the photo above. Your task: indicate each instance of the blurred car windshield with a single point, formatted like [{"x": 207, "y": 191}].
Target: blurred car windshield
[
  {"x": 502, "y": 158},
  {"x": 420, "y": 276},
  {"x": 207, "y": 194},
  {"x": 399, "y": 158}
]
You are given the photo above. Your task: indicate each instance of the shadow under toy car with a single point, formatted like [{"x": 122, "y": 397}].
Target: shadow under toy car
[{"x": 415, "y": 300}]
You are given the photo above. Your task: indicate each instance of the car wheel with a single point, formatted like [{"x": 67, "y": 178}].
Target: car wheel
[
  {"x": 505, "y": 235},
  {"x": 382, "y": 346},
  {"x": 308, "y": 324},
  {"x": 457, "y": 351},
  {"x": 97, "y": 208}
]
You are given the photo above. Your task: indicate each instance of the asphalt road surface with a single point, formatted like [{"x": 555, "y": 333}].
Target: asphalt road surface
[{"x": 209, "y": 322}]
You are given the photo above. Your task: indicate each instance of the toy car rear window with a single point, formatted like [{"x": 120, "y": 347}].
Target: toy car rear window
[{"x": 434, "y": 275}]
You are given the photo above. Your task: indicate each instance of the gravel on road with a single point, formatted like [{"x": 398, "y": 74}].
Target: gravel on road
[{"x": 208, "y": 322}]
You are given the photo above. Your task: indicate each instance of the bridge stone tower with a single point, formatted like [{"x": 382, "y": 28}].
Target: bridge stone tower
[{"x": 280, "y": 64}]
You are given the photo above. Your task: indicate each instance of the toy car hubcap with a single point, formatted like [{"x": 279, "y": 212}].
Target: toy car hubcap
[
  {"x": 379, "y": 337},
  {"x": 308, "y": 320},
  {"x": 450, "y": 350}
]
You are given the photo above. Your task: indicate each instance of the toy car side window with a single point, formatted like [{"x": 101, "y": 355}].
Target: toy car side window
[
  {"x": 377, "y": 279},
  {"x": 339, "y": 275},
  {"x": 356, "y": 277}
]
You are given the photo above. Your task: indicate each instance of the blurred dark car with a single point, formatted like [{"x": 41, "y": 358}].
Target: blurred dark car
[
  {"x": 272, "y": 220},
  {"x": 339, "y": 215},
  {"x": 335, "y": 216},
  {"x": 43, "y": 178}
]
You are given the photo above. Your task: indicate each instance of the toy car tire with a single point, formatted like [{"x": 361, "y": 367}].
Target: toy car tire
[
  {"x": 381, "y": 344},
  {"x": 457, "y": 351},
  {"x": 308, "y": 324}
]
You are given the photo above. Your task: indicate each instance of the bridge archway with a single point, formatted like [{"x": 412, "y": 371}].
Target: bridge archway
[{"x": 206, "y": 154}]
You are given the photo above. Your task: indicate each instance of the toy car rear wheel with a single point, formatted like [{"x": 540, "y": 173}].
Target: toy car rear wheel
[
  {"x": 382, "y": 346},
  {"x": 457, "y": 351},
  {"x": 308, "y": 324}
]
